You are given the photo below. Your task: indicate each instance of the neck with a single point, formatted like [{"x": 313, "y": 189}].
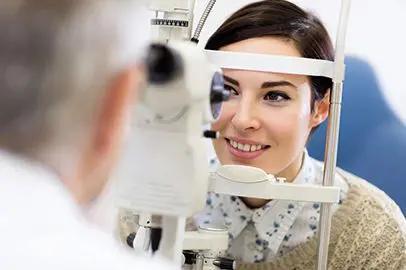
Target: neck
[
  {"x": 290, "y": 173},
  {"x": 76, "y": 190},
  {"x": 67, "y": 173}
]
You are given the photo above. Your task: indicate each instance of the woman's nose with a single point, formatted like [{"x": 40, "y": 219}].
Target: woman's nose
[{"x": 245, "y": 117}]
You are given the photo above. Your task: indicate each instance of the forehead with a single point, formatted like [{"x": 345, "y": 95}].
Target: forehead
[{"x": 264, "y": 45}]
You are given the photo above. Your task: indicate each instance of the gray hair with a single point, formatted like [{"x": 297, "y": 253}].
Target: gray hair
[{"x": 56, "y": 58}]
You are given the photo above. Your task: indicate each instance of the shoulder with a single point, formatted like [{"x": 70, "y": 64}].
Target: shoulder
[
  {"x": 373, "y": 193},
  {"x": 368, "y": 228},
  {"x": 77, "y": 263},
  {"x": 370, "y": 237},
  {"x": 379, "y": 198},
  {"x": 77, "y": 248},
  {"x": 105, "y": 252},
  {"x": 374, "y": 233}
]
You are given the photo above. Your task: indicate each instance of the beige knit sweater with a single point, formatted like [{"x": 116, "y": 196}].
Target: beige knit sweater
[{"x": 367, "y": 232}]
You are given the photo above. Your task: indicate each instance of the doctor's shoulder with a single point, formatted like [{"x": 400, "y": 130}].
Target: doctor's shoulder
[
  {"x": 107, "y": 253},
  {"x": 79, "y": 248}
]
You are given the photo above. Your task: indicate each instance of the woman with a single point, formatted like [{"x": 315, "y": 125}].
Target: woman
[{"x": 267, "y": 123}]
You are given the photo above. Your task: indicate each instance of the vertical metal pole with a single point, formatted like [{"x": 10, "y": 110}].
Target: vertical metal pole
[
  {"x": 190, "y": 17},
  {"x": 328, "y": 178},
  {"x": 330, "y": 158}
]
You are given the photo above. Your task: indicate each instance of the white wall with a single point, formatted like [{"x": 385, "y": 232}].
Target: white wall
[{"x": 376, "y": 32}]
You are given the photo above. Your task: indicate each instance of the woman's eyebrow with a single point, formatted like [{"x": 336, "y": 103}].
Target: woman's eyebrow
[
  {"x": 277, "y": 83},
  {"x": 269, "y": 84},
  {"x": 231, "y": 80}
]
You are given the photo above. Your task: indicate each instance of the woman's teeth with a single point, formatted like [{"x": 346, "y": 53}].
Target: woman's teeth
[{"x": 246, "y": 147}]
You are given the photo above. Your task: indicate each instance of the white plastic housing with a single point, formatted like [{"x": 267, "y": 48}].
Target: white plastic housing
[
  {"x": 252, "y": 182},
  {"x": 164, "y": 169},
  {"x": 203, "y": 240}
]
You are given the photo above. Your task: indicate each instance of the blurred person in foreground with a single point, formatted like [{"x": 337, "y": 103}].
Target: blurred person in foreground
[{"x": 69, "y": 72}]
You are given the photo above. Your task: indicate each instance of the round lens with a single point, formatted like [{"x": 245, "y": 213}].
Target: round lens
[
  {"x": 217, "y": 95},
  {"x": 163, "y": 64}
]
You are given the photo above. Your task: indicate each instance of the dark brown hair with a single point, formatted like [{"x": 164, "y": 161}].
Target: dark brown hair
[{"x": 282, "y": 19}]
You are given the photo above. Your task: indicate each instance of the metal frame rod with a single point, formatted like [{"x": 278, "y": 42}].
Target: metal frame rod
[
  {"x": 190, "y": 17},
  {"x": 330, "y": 157}
]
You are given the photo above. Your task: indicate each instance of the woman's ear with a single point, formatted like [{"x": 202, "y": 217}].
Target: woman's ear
[{"x": 321, "y": 109}]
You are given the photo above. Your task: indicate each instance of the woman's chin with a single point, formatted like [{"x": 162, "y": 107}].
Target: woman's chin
[{"x": 233, "y": 161}]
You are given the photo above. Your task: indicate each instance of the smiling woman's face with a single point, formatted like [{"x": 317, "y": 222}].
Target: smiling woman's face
[{"x": 268, "y": 118}]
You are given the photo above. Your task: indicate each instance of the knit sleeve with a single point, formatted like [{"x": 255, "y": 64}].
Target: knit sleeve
[{"x": 372, "y": 239}]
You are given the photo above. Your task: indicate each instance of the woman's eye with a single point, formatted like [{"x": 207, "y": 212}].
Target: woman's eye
[
  {"x": 231, "y": 89},
  {"x": 276, "y": 96}
]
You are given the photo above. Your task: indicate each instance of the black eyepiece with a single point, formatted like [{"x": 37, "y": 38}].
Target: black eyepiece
[
  {"x": 218, "y": 94},
  {"x": 163, "y": 64}
]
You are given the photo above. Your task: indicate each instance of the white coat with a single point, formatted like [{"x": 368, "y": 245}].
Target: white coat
[{"x": 41, "y": 228}]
